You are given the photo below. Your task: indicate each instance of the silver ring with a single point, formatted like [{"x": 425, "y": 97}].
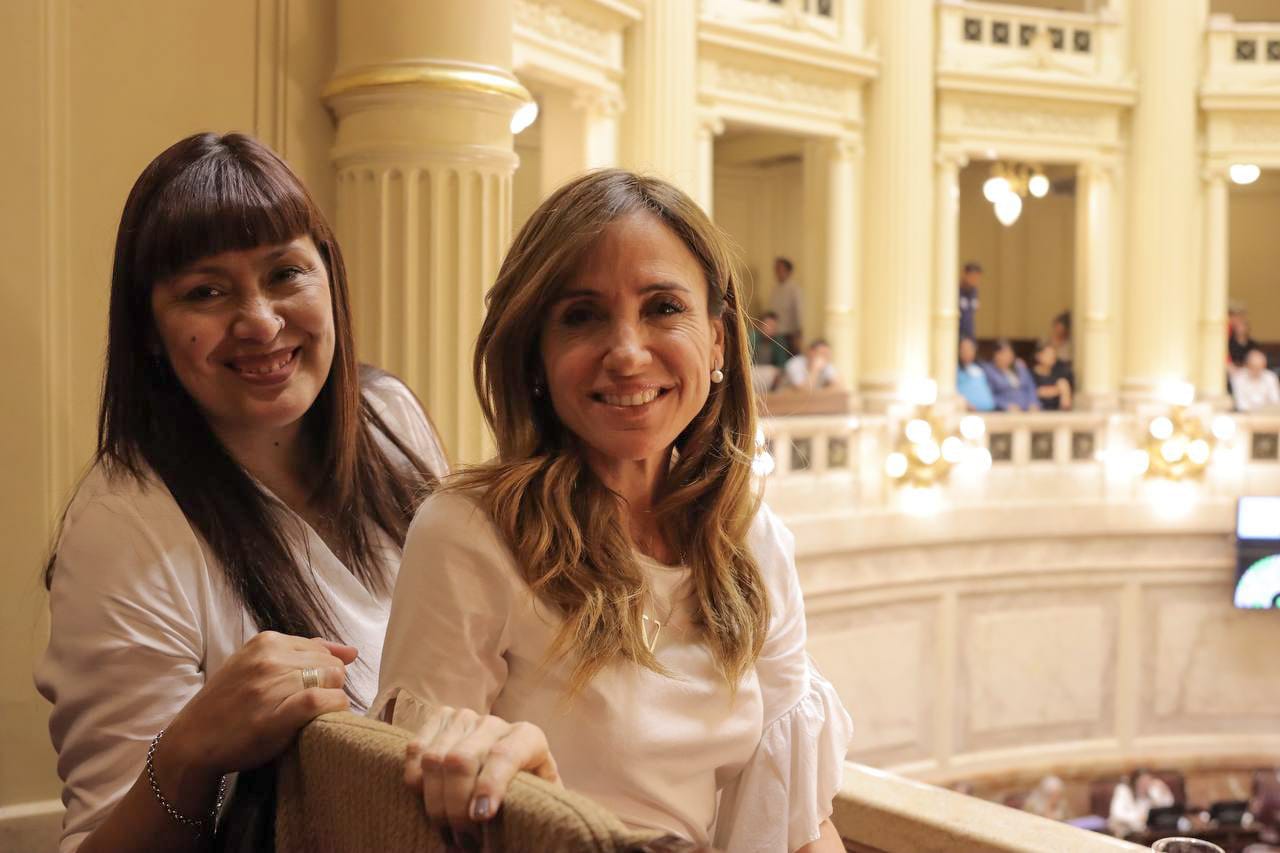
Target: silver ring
[{"x": 310, "y": 678}]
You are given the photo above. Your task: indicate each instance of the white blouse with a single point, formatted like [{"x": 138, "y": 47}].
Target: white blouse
[
  {"x": 142, "y": 615},
  {"x": 753, "y": 771}
]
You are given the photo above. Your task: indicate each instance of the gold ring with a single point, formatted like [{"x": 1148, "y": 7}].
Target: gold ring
[{"x": 310, "y": 678}]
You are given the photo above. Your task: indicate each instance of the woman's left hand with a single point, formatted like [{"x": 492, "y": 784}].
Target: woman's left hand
[{"x": 463, "y": 762}]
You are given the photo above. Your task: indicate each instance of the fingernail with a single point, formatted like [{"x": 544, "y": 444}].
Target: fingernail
[{"x": 480, "y": 808}]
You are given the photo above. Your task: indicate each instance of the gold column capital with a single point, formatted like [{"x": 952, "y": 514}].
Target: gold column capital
[{"x": 435, "y": 76}]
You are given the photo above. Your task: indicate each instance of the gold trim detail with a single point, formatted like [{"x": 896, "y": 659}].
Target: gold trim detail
[{"x": 457, "y": 79}]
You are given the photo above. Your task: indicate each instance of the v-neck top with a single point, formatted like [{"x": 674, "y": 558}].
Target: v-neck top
[
  {"x": 751, "y": 770},
  {"x": 142, "y": 615}
]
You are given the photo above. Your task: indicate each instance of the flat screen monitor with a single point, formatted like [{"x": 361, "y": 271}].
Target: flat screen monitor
[{"x": 1258, "y": 553}]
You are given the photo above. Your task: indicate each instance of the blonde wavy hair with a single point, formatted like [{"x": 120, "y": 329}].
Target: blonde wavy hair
[{"x": 566, "y": 527}]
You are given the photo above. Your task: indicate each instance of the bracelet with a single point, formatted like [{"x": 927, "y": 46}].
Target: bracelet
[{"x": 198, "y": 826}]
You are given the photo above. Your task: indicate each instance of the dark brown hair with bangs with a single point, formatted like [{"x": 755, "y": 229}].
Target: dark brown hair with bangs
[{"x": 204, "y": 195}]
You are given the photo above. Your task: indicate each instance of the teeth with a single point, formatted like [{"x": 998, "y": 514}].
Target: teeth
[
  {"x": 631, "y": 399},
  {"x": 262, "y": 371}
]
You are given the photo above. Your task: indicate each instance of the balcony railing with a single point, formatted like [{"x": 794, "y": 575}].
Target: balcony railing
[
  {"x": 833, "y": 21},
  {"x": 878, "y": 812},
  {"x": 996, "y": 37},
  {"x": 1241, "y": 54},
  {"x": 838, "y": 462}
]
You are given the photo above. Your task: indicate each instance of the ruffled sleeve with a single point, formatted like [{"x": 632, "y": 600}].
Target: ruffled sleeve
[{"x": 778, "y": 802}]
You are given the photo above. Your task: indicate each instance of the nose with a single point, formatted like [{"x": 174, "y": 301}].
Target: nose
[
  {"x": 257, "y": 321},
  {"x": 627, "y": 352}
]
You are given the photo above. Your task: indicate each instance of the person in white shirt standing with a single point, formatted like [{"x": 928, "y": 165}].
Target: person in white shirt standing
[
  {"x": 788, "y": 304},
  {"x": 611, "y": 577},
  {"x": 1254, "y": 386},
  {"x": 250, "y": 495}
]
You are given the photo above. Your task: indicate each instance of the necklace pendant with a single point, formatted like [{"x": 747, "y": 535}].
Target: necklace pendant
[{"x": 650, "y": 641}]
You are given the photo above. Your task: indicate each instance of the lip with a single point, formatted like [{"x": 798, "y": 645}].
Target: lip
[{"x": 280, "y": 365}]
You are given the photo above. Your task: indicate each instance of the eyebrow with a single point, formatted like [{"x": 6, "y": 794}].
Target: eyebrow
[
  {"x": 656, "y": 287},
  {"x": 213, "y": 269}
]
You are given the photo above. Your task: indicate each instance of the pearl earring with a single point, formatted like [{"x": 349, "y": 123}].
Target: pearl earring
[{"x": 717, "y": 376}]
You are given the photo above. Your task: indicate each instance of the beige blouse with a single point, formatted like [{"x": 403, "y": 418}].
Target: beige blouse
[
  {"x": 754, "y": 771},
  {"x": 142, "y": 615}
]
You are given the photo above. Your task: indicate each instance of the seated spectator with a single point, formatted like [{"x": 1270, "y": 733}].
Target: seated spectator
[
  {"x": 1133, "y": 799},
  {"x": 1254, "y": 386},
  {"x": 1060, "y": 337},
  {"x": 971, "y": 379},
  {"x": 1011, "y": 383},
  {"x": 1048, "y": 799},
  {"x": 1052, "y": 379},
  {"x": 768, "y": 355},
  {"x": 813, "y": 370},
  {"x": 1240, "y": 341}
]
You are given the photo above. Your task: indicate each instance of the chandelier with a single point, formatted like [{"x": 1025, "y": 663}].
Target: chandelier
[{"x": 1009, "y": 184}]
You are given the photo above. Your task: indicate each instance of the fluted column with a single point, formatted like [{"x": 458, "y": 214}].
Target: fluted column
[
  {"x": 898, "y": 271},
  {"x": 946, "y": 311},
  {"x": 842, "y": 255},
  {"x": 660, "y": 122},
  {"x": 424, "y": 97},
  {"x": 1095, "y": 286},
  {"x": 709, "y": 127},
  {"x": 1164, "y": 169},
  {"x": 1214, "y": 284}
]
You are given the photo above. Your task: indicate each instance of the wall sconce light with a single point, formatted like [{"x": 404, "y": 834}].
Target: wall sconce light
[
  {"x": 1178, "y": 445},
  {"x": 926, "y": 449}
]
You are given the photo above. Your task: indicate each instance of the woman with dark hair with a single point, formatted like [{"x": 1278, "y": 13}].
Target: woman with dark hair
[
  {"x": 611, "y": 576},
  {"x": 250, "y": 495},
  {"x": 1012, "y": 385},
  {"x": 1051, "y": 378}
]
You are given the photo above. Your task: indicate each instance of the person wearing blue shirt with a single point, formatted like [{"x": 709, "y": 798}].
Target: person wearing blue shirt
[
  {"x": 971, "y": 379},
  {"x": 1011, "y": 383}
]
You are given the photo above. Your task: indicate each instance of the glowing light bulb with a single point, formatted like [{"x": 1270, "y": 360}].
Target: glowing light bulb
[
  {"x": 1038, "y": 185},
  {"x": 928, "y": 452},
  {"x": 952, "y": 449},
  {"x": 918, "y": 430},
  {"x": 1224, "y": 427},
  {"x": 895, "y": 465},
  {"x": 1244, "y": 173},
  {"x": 1198, "y": 451},
  {"x": 1174, "y": 449},
  {"x": 995, "y": 189},
  {"x": 1139, "y": 462},
  {"x": 1008, "y": 208},
  {"x": 1161, "y": 428},
  {"x": 973, "y": 427}
]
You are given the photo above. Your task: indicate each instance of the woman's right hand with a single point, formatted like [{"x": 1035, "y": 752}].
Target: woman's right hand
[
  {"x": 251, "y": 708},
  {"x": 462, "y": 763}
]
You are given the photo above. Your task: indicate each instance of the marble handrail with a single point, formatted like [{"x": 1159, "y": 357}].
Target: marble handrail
[{"x": 881, "y": 812}]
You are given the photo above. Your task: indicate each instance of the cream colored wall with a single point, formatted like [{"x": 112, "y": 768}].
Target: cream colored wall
[
  {"x": 1029, "y": 268},
  {"x": 1254, "y": 260},
  {"x": 762, "y": 210},
  {"x": 92, "y": 92}
]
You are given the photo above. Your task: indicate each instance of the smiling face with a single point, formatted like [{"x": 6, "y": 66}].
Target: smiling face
[
  {"x": 249, "y": 334},
  {"x": 629, "y": 344}
]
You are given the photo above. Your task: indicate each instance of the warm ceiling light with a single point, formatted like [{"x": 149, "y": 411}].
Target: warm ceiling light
[
  {"x": 995, "y": 189},
  {"x": 525, "y": 116},
  {"x": 1244, "y": 173},
  {"x": 1038, "y": 185},
  {"x": 1008, "y": 208}
]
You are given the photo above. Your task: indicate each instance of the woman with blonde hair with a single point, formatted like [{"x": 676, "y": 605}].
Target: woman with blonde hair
[{"x": 611, "y": 578}]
